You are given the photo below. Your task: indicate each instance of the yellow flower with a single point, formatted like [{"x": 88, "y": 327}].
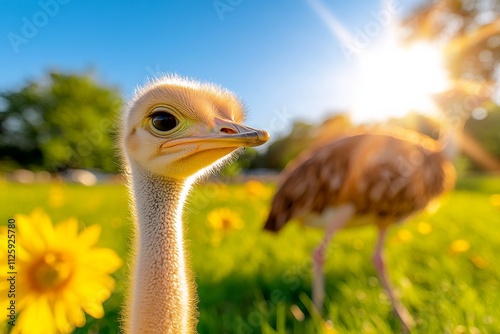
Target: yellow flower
[
  {"x": 479, "y": 261},
  {"x": 59, "y": 274},
  {"x": 459, "y": 246},
  {"x": 495, "y": 200},
  {"x": 424, "y": 228},
  {"x": 404, "y": 235},
  {"x": 224, "y": 219},
  {"x": 255, "y": 188}
]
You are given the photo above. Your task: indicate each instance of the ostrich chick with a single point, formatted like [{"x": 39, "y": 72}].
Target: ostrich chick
[
  {"x": 174, "y": 130},
  {"x": 357, "y": 180}
]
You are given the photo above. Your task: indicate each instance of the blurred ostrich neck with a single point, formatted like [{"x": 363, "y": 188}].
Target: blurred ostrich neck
[{"x": 161, "y": 297}]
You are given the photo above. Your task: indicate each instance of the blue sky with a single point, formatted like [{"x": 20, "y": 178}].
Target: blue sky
[{"x": 278, "y": 56}]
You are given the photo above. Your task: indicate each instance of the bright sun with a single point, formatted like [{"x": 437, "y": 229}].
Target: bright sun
[
  {"x": 392, "y": 80},
  {"x": 389, "y": 80}
]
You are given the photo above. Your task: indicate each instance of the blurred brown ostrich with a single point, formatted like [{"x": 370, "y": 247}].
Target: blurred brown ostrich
[{"x": 368, "y": 178}]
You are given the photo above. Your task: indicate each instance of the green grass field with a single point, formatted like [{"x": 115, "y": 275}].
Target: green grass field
[{"x": 445, "y": 264}]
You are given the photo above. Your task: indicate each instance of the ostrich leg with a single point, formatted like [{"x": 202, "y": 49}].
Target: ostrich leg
[
  {"x": 338, "y": 219},
  {"x": 400, "y": 310}
]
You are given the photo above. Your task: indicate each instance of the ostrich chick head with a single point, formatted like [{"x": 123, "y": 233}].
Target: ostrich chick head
[{"x": 176, "y": 127}]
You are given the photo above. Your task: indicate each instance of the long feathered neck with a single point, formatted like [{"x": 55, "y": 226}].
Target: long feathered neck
[{"x": 162, "y": 299}]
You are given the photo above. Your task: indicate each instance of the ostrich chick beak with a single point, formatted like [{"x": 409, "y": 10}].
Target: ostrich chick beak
[
  {"x": 234, "y": 134},
  {"x": 223, "y": 134}
]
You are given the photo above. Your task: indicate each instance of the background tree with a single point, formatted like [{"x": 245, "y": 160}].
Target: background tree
[
  {"x": 303, "y": 136},
  {"x": 244, "y": 161},
  {"x": 284, "y": 149},
  {"x": 62, "y": 121},
  {"x": 470, "y": 31}
]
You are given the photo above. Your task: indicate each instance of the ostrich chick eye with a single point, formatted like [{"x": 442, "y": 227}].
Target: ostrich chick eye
[{"x": 164, "y": 121}]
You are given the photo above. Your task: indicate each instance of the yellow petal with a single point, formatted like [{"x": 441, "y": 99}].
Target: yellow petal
[
  {"x": 93, "y": 286},
  {"x": 73, "y": 311},
  {"x": 89, "y": 236},
  {"x": 22, "y": 254},
  {"x": 25, "y": 301},
  {"x": 36, "y": 318},
  {"x": 94, "y": 309},
  {"x": 103, "y": 259},
  {"x": 28, "y": 236},
  {"x": 60, "y": 317},
  {"x": 43, "y": 225},
  {"x": 67, "y": 229}
]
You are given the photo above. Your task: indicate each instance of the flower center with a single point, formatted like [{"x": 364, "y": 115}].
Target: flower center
[
  {"x": 51, "y": 271},
  {"x": 227, "y": 224}
]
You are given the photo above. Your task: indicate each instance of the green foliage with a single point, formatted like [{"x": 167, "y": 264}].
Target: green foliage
[
  {"x": 487, "y": 130},
  {"x": 251, "y": 280},
  {"x": 244, "y": 161},
  {"x": 282, "y": 150},
  {"x": 62, "y": 121}
]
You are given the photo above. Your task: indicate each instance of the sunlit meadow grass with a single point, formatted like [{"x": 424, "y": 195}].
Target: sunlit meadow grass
[{"x": 444, "y": 264}]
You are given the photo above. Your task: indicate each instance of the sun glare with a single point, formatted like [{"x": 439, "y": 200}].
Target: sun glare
[
  {"x": 388, "y": 79},
  {"x": 392, "y": 80}
]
